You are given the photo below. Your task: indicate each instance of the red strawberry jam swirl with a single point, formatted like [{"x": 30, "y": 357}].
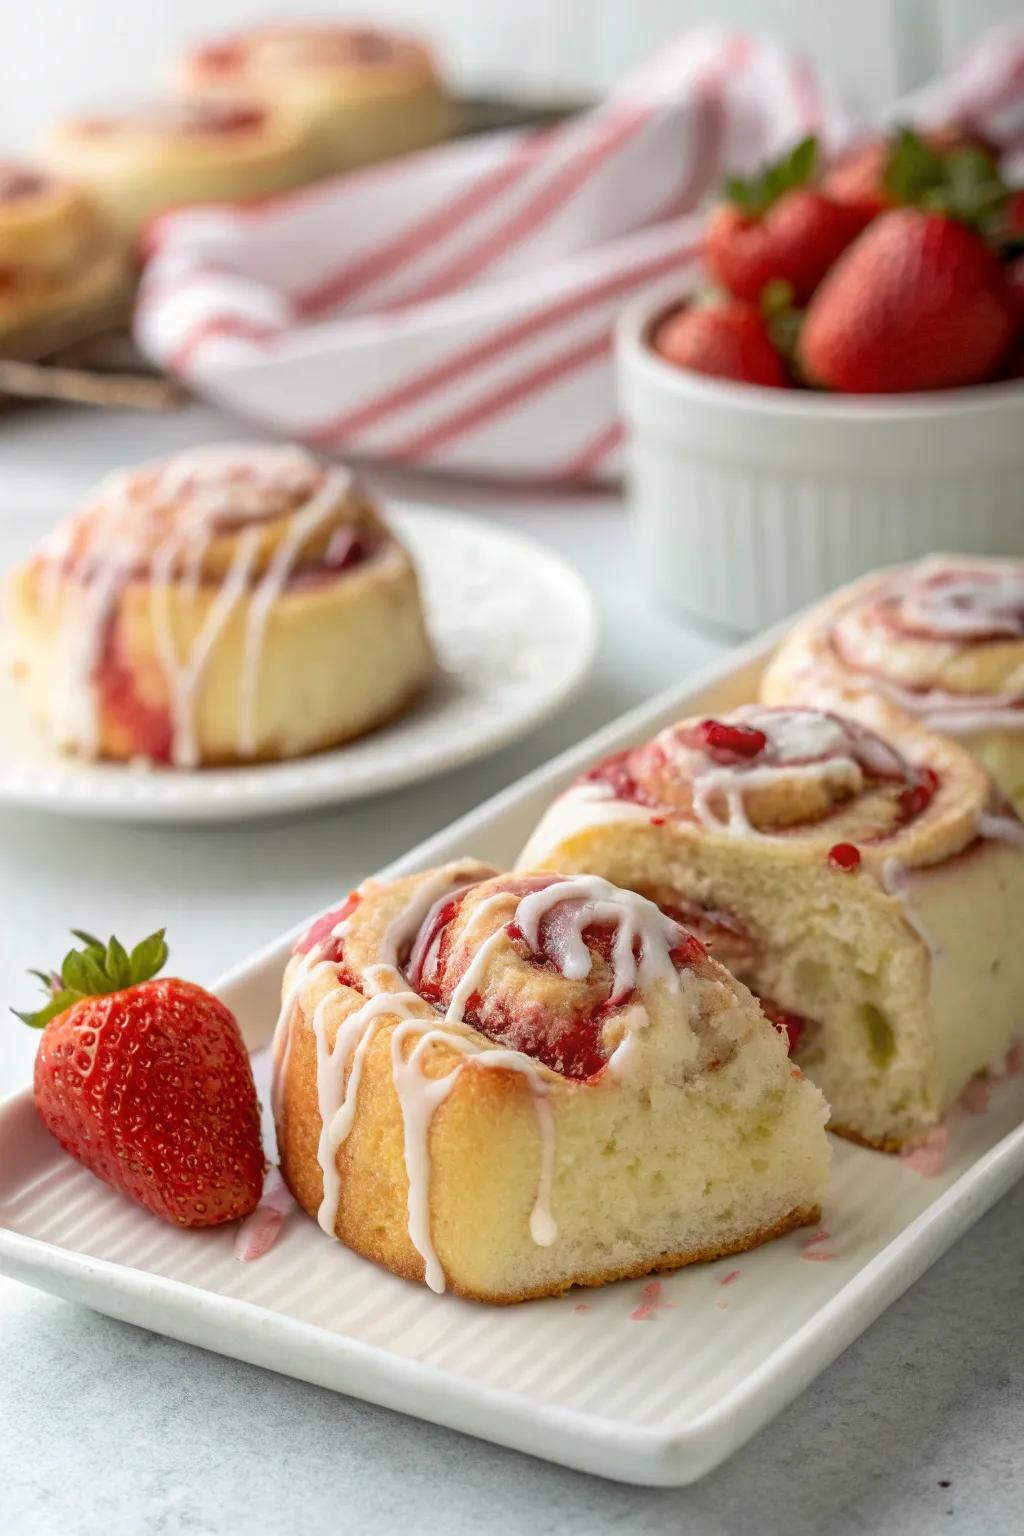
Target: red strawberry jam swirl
[
  {"x": 190, "y": 119},
  {"x": 583, "y": 930},
  {"x": 792, "y": 1026},
  {"x": 765, "y": 771},
  {"x": 891, "y": 637},
  {"x": 323, "y": 935}
]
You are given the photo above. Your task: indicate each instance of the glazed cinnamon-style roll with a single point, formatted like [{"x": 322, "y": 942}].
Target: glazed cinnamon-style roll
[
  {"x": 142, "y": 162},
  {"x": 942, "y": 640},
  {"x": 505, "y": 1086},
  {"x": 57, "y": 253},
  {"x": 868, "y": 888},
  {"x": 231, "y": 603},
  {"x": 364, "y": 94}
]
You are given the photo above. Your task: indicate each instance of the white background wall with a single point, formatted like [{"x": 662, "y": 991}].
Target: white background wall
[{"x": 63, "y": 53}]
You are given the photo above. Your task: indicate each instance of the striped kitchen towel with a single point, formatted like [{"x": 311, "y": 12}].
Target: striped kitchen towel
[{"x": 453, "y": 310}]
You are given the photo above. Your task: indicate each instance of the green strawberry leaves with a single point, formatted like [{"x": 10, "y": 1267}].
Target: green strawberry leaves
[
  {"x": 963, "y": 182},
  {"x": 756, "y": 194},
  {"x": 148, "y": 957},
  {"x": 912, "y": 169},
  {"x": 95, "y": 970}
]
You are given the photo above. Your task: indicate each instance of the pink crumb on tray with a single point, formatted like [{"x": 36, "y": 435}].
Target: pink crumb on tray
[
  {"x": 977, "y": 1096},
  {"x": 814, "y": 1249},
  {"x": 929, "y": 1159},
  {"x": 259, "y": 1232},
  {"x": 651, "y": 1303}
]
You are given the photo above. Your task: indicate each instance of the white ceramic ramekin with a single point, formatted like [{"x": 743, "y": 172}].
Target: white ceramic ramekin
[{"x": 750, "y": 502}]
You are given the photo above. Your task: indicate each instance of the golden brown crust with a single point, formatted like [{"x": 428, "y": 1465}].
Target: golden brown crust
[
  {"x": 804, "y": 1216},
  {"x": 893, "y": 1144}
]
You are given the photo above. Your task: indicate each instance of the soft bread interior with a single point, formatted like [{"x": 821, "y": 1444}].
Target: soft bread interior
[
  {"x": 646, "y": 1173},
  {"x": 895, "y": 1031}
]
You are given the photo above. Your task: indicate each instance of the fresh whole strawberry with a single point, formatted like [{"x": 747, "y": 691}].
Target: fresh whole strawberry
[
  {"x": 777, "y": 229},
  {"x": 729, "y": 340},
  {"x": 919, "y": 302},
  {"x": 147, "y": 1082}
]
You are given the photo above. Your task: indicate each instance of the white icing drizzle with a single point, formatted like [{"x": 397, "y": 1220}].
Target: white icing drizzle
[
  {"x": 303, "y": 524},
  {"x": 308, "y": 969},
  {"x": 731, "y": 783},
  {"x": 183, "y": 679},
  {"x": 896, "y": 882},
  {"x": 339, "y": 1073},
  {"x": 1002, "y": 827},
  {"x": 801, "y": 744},
  {"x": 218, "y": 487},
  {"x": 957, "y": 714},
  {"x": 472, "y": 976},
  {"x": 640, "y": 926},
  {"x": 436, "y": 888},
  {"x": 641, "y": 956},
  {"x": 963, "y": 602},
  {"x": 420, "y": 1096},
  {"x": 81, "y": 629},
  {"x": 946, "y": 609},
  {"x": 339, "y": 1070},
  {"x": 543, "y": 1228}
]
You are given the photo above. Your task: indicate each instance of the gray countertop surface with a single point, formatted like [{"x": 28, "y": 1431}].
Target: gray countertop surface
[{"x": 106, "y": 1429}]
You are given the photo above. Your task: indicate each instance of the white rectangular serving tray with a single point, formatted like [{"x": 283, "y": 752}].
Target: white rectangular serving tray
[{"x": 596, "y": 1380}]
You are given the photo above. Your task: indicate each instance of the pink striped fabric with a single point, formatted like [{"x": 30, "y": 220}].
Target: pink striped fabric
[{"x": 453, "y": 310}]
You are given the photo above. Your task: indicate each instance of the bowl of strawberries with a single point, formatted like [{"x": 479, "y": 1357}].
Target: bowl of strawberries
[{"x": 843, "y": 390}]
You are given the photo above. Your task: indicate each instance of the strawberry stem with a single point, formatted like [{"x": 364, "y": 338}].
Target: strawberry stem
[
  {"x": 756, "y": 194},
  {"x": 963, "y": 182},
  {"x": 95, "y": 970}
]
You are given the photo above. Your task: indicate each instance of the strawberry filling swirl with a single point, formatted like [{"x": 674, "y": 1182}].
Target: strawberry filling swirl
[
  {"x": 613, "y": 943},
  {"x": 189, "y": 119},
  {"x": 199, "y": 524},
  {"x": 730, "y": 774},
  {"x": 935, "y": 614}
]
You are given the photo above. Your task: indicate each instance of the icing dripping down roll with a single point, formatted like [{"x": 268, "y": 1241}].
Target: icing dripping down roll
[
  {"x": 448, "y": 1050},
  {"x": 227, "y": 604}
]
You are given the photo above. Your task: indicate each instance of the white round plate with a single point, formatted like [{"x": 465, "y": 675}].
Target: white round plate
[{"x": 515, "y": 630}]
